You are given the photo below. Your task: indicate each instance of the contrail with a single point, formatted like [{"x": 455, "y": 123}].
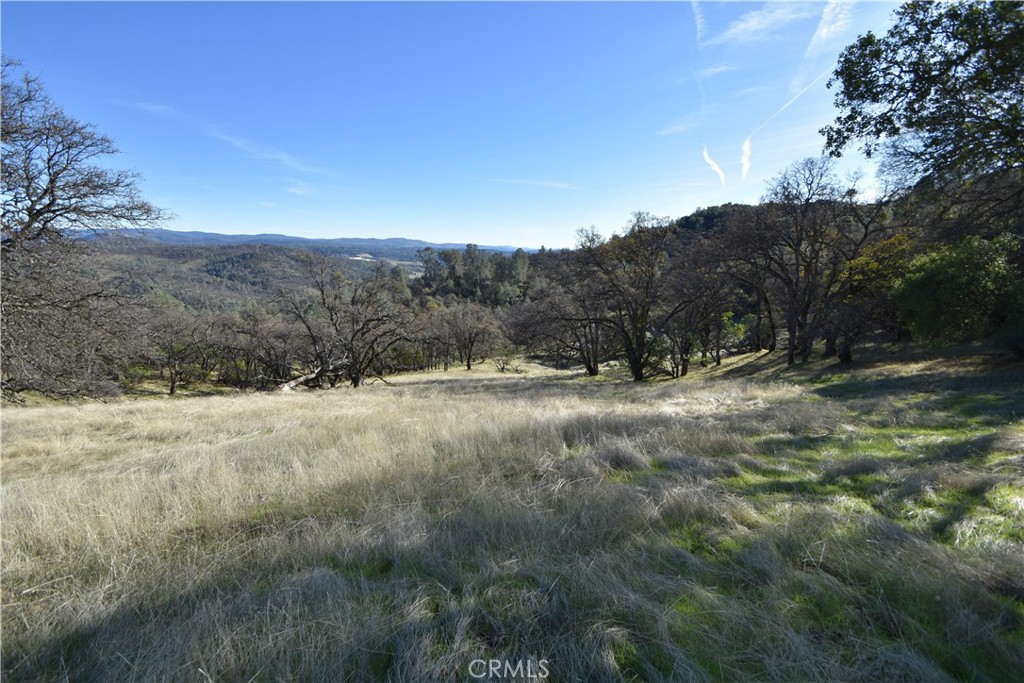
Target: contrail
[
  {"x": 714, "y": 167},
  {"x": 745, "y": 153},
  {"x": 793, "y": 99},
  {"x": 745, "y": 158},
  {"x": 698, "y": 21}
]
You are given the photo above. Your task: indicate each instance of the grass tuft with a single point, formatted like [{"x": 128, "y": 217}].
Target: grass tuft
[{"x": 832, "y": 528}]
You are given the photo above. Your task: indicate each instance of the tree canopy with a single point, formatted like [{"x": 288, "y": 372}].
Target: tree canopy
[
  {"x": 52, "y": 182},
  {"x": 940, "y": 95},
  {"x": 942, "y": 91},
  {"x": 63, "y": 324}
]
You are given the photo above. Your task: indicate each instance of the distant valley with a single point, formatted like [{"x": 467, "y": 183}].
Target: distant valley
[
  {"x": 389, "y": 249},
  {"x": 203, "y": 270}
]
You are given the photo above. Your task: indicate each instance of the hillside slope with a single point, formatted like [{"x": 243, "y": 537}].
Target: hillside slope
[{"x": 821, "y": 528}]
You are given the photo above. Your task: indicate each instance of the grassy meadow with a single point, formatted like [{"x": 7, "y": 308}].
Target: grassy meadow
[{"x": 750, "y": 522}]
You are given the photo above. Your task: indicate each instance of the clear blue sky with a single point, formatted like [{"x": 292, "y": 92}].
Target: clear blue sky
[{"x": 493, "y": 123}]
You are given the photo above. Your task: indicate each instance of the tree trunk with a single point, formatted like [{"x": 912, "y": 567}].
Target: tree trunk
[
  {"x": 635, "y": 358},
  {"x": 805, "y": 341},
  {"x": 758, "y": 342},
  {"x": 291, "y": 384},
  {"x": 830, "y": 345},
  {"x": 846, "y": 350},
  {"x": 773, "y": 331},
  {"x": 791, "y": 342}
]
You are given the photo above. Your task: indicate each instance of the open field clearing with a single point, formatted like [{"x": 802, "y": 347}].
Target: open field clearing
[{"x": 827, "y": 527}]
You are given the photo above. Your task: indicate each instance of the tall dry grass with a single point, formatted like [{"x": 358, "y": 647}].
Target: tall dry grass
[{"x": 666, "y": 532}]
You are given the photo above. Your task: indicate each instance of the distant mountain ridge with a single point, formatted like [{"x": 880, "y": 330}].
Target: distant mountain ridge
[
  {"x": 343, "y": 245},
  {"x": 205, "y": 270}
]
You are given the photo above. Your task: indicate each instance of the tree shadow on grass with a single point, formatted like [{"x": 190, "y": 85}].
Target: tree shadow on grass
[
  {"x": 579, "y": 581},
  {"x": 987, "y": 399},
  {"x": 974, "y": 448},
  {"x": 366, "y": 614},
  {"x": 509, "y": 386},
  {"x": 960, "y": 504},
  {"x": 420, "y": 607},
  {"x": 406, "y": 592},
  {"x": 789, "y": 444}
]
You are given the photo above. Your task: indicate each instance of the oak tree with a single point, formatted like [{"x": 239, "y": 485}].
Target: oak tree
[
  {"x": 942, "y": 90},
  {"x": 61, "y": 329}
]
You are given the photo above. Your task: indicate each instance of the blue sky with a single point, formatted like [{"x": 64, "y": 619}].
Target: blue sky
[{"x": 494, "y": 123}]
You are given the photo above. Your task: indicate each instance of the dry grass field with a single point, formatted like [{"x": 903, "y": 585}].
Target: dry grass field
[{"x": 751, "y": 523}]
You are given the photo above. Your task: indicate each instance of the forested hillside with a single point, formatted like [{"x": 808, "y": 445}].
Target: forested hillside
[
  {"x": 932, "y": 254},
  {"x": 392, "y": 249},
  {"x": 776, "y": 440},
  {"x": 811, "y": 263}
]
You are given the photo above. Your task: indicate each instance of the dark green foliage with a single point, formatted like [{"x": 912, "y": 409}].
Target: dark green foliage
[
  {"x": 475, "y": 274},
  {"x": 965, "y": 292},
  {"x": 940, "y": 95},
  {"x": 944, "y": 88}
]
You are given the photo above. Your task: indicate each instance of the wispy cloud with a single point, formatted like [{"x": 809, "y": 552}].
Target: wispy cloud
[
  {"x": 835, "y": 19},
  {"x": 298, "y": 187},
  {"x": 763, "y": 23},
  {"x": 158, "y": 109},
  {"x": 714, "y": 167},
  {"x": 552, "y": 184},
  {"x": 268, "y": 154},
  {"x": 682, "y": 125},
  {"x": 250, "y": 148},
  {"x": 698, "y": 21},
  {"x": 745, "y": 158},
  {"x": 752, "y": 90},
  {"x": 712, "y": 71},
  {"x": 164, "y": 111}
]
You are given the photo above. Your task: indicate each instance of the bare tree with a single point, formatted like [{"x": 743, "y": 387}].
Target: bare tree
[
  {"x": 183, "y": 345},
  {"x": 632, "y": 272},
  {"x": 567, "y": 316},
  {"x": 57, "y": 320},
  {"x": 801, "y": 237},
  {"x": 260, "y": 347},
  {"x": 67, "y": 329},
  {"x": 350, "y": 324},
  {"x": 748, "y": 268},
  {"x": 474, "y": 331},
  {"x": 52, "y": 185},
  {"x": 434, "y": 337}
]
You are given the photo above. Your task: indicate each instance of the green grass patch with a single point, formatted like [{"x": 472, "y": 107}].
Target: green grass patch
[{"x": 853, "y": 525}]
